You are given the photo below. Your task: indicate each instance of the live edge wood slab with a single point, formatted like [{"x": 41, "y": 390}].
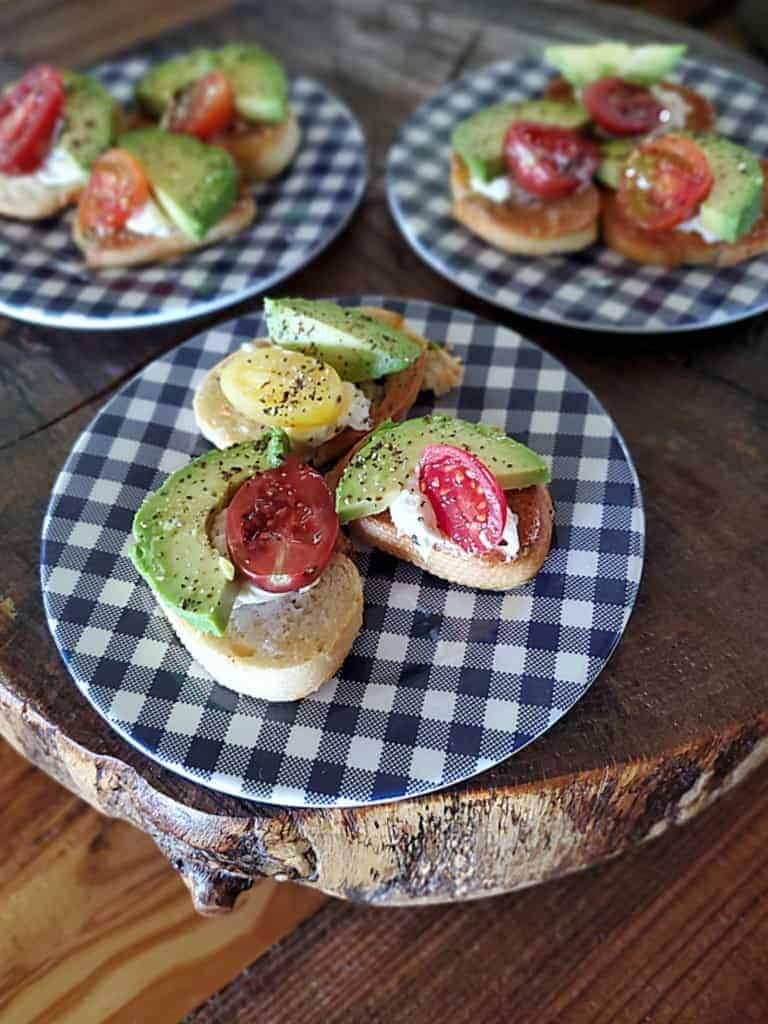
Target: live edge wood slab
[{"x": 681, "y": 712}]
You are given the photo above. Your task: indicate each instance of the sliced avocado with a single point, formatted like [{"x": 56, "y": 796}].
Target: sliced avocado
[
  {"x": 157, "y": 88},
  {"x": 736, "y": 199},
  {"x": 259, "y": 81},
  {"x": 582, "y": 63},
  {"x": 479, "y": 139},
  {"x": 196, "y": 184},
  {"x": 173, "y": 550},
  {"x": 614, "y": 153},
  {"x": 90, "y": 119},
  {"x": 354, "y": 344},
  {"x": 383, "y": 466}
]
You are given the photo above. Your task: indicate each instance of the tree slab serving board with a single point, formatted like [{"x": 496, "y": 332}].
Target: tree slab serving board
[{"x": 681, "y": 712}]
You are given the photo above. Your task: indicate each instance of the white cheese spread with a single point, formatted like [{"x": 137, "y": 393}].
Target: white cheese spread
[
  {"x": 60, "y": 168},
  {"x": 503, "y": 189},
  {"x": 694, "y": 224},
  {"x": 676, "y": 109},
  {"x": 413, "y": 516},
  {"x": 149, "y": 219}
]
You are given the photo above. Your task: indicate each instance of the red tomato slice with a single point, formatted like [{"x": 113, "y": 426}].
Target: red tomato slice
[
  {"x": 28, "y": 115},
  {"x": 664, "y": 181},
  {"x": 621, "y": 108},
  {"x": 547, "y": 161},
  {"x": 282, "y": 527},
  {"x": 469, "y": 506},
  {"x": 117, "y": 187},
  {"x": 205, "y": 108}
]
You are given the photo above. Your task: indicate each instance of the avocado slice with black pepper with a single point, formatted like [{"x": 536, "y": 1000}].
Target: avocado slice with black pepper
[
  {"x": 356, "y": 345},
  {"x": 735, "y": 200},
  {"x": 173, "y": 549},
  {"x": 382, "y": 468},
  {"x": 196, "y": 184},
  {"x": 89, "y": 119}
]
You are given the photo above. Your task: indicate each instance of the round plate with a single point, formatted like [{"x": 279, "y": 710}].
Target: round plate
[
  {"x": 442, "y": 681},
  {"x": 596, "y": 289},
  {"x": 43, "y": 277}
]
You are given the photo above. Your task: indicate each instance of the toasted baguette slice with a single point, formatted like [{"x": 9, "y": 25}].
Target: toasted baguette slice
[
  {"x": 263, "y": 152},
  {"x": 286, "y": 652},
  {"x": 129, "y": 250},
  {"x": 699, "y": 118},
  {"x": 223, "y": 425},
  {"x": 671, "y": 248},
  {"x": 24, "y": 197},
  {"x": 531, "y": 229},
  {"x": 532, "y": 505}
]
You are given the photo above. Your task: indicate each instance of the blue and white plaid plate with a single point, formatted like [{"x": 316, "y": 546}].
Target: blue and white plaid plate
[
  {"x": 442, "y": 681},
  {"x": 43, "y": 278},
  {"x": 596, "y": 289}
]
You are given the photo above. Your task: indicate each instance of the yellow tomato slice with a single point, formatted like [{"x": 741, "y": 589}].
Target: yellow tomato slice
[{"x": 280, "y": 388}]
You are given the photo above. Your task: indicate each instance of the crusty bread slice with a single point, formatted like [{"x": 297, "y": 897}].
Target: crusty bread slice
[
  {"x": 223, "y": 425},
  {"x": 24, "y": 197},
  {"x": 286, "y": 651},
  {"x": 129, "y": 250},
  {"x": 530, "y": 229},
  {"x": 671, "y": 248},
  {"x": 263, "y": 152},
  {"x": 533, "y": 507},
  {"x": 700, "y": 116}
]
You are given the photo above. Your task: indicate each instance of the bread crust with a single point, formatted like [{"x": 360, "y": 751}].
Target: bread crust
[
  {"x": 700, "y": 116},
  {"x": 263, "y": 152},
  {"x": 400, "y": 392},
  {"x": 247, "y": 661},
  {"x": 532, "y": 505},
  {"x": 670, "y": 248},
  {"x": 532, "y": 229},
  {"x": 23, "y": 198},
  {"x": 129, "y": 250}
]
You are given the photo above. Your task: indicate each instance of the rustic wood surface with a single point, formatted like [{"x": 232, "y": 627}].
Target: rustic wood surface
[
  {"x": 93, "y": 925},
  {"x": 681, "y": 712}
]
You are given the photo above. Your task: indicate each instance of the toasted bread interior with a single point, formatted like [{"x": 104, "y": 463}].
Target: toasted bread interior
[
  {"x": 127, "y": 249},
  {"x": 287, "y": 649},
  {"x": 533, "y": 507},
  {"x": 538, "y": 228},
  {"x": 263, "y": 152}
]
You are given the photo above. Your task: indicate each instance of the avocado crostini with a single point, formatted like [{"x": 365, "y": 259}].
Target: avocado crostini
[{"x": 235, "y": 96}]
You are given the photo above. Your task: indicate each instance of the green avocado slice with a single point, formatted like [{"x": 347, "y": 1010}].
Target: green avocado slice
[
  {"x": 582, "y": 63},
  {"x": 736, "y": 199},
  {"x": 90, "y": 119},
  {"x": 356, "y": 345},
  {"x": 196, "y": 184},
  {"x": 382, "y": 467},
  {"x": 172, "y": 548}
]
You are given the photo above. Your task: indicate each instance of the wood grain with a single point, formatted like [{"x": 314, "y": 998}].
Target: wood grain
[
  {"x": 675, "y": 932},
  {"x": 679, "y": 715},
  {"x": 93, "y": 925}
]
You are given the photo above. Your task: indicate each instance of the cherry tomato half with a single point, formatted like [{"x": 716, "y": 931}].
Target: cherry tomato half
[
  {"x": 205, "y": 108},
  {"x": 469, "y": 506},
  {"x": 117, "y": 187},
  {"x": 28, "y": 115},
  {"x": 282, "y": 527},
  {"x": 547, "y": 161},
  {"x": 620, "y": 107},
  {"x": 663, "y": 182}
]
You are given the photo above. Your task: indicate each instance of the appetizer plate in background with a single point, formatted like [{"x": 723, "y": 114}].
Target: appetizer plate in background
[
  {"x": 43, "y": 277},
  {"x": 596, "y": 289},
  {"x": 442, "y": 681}
]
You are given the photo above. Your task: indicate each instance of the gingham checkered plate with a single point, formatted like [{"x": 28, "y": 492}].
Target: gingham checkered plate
[
  {"x": 43, "y": 278},
  {"x": 442, "y": 681},
  {"x": 596, "y": 289}
]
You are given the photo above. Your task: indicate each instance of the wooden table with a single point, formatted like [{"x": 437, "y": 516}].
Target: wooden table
[{"x": 680, "y": 714}]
